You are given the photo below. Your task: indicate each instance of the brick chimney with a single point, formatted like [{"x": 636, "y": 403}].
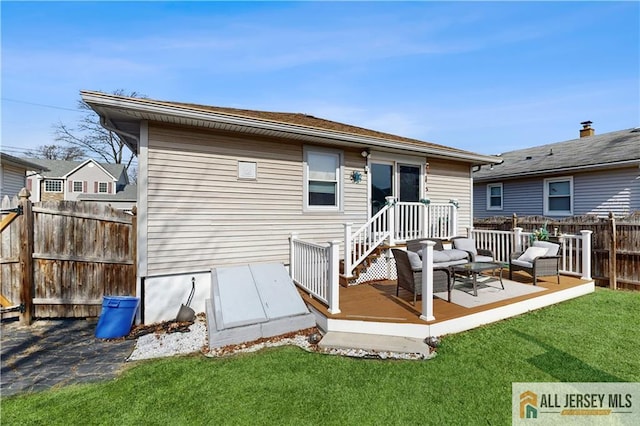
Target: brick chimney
[{"x": 587, "y": 130}]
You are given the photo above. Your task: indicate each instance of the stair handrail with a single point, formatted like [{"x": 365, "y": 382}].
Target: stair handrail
[{"x": 360, "y": 244}]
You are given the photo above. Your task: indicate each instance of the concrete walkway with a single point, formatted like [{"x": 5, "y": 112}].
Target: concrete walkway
[
  {"x": 369, "y": 342},
  {"x": 57, "y": 353}
]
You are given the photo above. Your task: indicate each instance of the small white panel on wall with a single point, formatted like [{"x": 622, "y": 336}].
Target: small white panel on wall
[
  {"x": 164, "y": 295},
  {"x": 247, "y": 170}
]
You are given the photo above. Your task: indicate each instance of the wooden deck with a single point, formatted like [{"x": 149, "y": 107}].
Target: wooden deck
[{"x": 375, "y": 308}]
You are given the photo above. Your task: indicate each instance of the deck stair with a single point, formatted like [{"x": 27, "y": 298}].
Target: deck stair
[{"x": 373, "y": 259}]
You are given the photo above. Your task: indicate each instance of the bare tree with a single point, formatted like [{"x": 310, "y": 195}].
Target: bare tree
[
  {"x": 56, "y": 152},
  {"x": 95, "y": 139}
]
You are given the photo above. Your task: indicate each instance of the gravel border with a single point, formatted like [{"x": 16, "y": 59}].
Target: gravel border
[{"x": 162, "y": 344}]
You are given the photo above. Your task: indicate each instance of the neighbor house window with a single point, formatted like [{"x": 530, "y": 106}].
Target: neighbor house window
[
  {"x": 78, "y": 186},
  {"x": 322, "y": 182},
  {"x": 558, "y": 196},
  {"x": 52, "y": 186},
  {"x": 103, "y": 187},
  {"x": 494, "y": 196}
]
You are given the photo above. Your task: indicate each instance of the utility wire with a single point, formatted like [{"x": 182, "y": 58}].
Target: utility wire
[{"x": 40, "y": 105}]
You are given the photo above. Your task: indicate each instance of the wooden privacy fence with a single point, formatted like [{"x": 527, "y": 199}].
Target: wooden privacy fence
[
  {"x": 615, "y": 243},
  {"x": 59, "y": 258}
]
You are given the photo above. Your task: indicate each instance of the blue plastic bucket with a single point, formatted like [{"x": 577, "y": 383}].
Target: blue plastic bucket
[{"x": 116, "y": 318}]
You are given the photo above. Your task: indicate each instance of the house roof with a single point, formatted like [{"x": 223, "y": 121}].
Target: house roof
[
  {"x": 123, "y": 115},
  {"x": 61, "y": 168},
  {"x": 128, "y": 193},
  {"x": 608, "y": 150},
  {"x": 19, "y": 162}
]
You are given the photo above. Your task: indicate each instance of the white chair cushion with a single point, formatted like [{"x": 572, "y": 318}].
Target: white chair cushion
[
  {"x": 552, "y": 248},
  {"x": 532, "y": 253},
  {"x": 466, "y": 244},
  {"x": 414, "y": 259},
  {"x": 439, "y": 257},
  {"x": 481, "y": 258},
  {"x": 455, "y": 254},
  {"x": 521, "y": 263}
]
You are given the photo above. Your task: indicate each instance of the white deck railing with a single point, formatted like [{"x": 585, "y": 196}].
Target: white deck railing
[
  {"x": 315, "y": 269},
  {"x": 442, "y": 221},
  {"x": 398, "y": 222},
  {"x": 575, "y": 250},
  {"x": 359, "y": 244},
  {"x": 500, "y": 243}
]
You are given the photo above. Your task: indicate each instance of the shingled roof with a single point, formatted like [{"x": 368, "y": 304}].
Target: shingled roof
[
  {"x": 60, "y": 168},
  {"x": 123, "y": 115},
  {"x": 607, "y": 149}
]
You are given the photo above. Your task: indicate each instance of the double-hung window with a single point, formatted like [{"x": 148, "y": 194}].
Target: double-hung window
[
  {"x": 52, "y": 185},
  {"x": 558, "y": 196},
  {"x": 78, "y": 186},
  {"x": 103, "y": 187},
  {"x": 322, "y": 179},
  {"x": 494, "y": 196}
]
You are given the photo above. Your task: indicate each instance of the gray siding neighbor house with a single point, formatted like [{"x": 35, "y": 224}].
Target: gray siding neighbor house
[
  {"x": 13, "y": 174},
  {"x": 591, "y": 175},
  {"x": 72, "y": 180}
]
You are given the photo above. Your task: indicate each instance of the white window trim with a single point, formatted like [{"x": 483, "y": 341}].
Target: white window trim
[
  {"x": 106, "y": 191},
  {"x": 547, "y": 181},
  {"x": 53, "y": 180},
  {"x": 339, "y": 177},
  {"x": 73, "y": 186},
  {"x": 494, "y": 185}
]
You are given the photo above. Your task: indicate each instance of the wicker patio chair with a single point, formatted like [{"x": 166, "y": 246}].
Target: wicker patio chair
[
  {"x": 475, "y": 254},
  {"x": 547, "y": 264},
  {"x": 410, "y": 276}
]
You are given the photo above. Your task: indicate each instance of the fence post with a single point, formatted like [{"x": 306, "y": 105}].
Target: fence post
[
  {"x": 334, "y": 270},
  {"x": 347, "y": 249},
  {"x": 517, "y": 236},
  {"x": 292, "y": 257},
  {"x": 26, "y": 256},
  {"x": 391, "y": 217},
  {"x": 514, "y": 221},
  {"x": 613, "y": 253},
  {"x": 427, "y": 281},
  {"x": 469, "y": 231},
  {"x": 586, "y": 254}
]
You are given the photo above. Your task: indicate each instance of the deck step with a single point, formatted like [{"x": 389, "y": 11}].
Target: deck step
[{"x": 374, "y": 342}]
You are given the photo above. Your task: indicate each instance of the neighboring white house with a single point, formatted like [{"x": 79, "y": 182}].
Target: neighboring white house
[
  {"x": 223, "y": 186},
  {"x": 69, "y": 180},
  {"x": 13, "y": 172}
]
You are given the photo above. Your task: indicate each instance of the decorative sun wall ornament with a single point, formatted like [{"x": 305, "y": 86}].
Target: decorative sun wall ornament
[{"x": 356, "y": 176}]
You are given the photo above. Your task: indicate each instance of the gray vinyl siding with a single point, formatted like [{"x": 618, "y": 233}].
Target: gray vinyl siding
[
  {"x": 13, "y": 180},
  {"x": 90, "y": 175},
  {"x": 596, "y": 193},
  {"x": 523, "y": 197},
  {"x": 448, "y": 180},
  {"x": 600, "y": 192},
  {"x": 200, "y": 215}
]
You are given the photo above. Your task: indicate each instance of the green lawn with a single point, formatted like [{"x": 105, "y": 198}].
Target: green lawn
[{"x": 591, "y": 339}]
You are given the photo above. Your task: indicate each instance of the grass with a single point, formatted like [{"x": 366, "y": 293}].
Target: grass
[{"x": 590, "y": 339}]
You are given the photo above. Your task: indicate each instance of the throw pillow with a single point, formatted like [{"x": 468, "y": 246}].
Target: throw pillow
[
  {"x": 466, "y": 244},
  {"x": 552, "y": 248},
  {"x": 414, "y": 259},
  {"x": 532, "y": 253}
]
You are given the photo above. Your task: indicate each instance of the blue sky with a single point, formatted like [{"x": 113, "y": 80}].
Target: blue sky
[{"x": 485, "y": 77}]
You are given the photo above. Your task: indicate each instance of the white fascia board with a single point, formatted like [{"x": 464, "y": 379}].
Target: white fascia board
[{"x": 152, "y": 107}]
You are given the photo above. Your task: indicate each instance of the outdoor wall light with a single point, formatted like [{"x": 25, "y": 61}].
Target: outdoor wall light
[{"x": 365, "y": 153}]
